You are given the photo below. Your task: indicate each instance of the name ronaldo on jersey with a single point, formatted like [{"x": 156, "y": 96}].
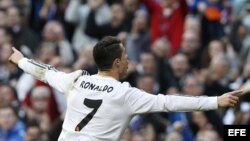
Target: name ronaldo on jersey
[{"x": 94, "y": 87}]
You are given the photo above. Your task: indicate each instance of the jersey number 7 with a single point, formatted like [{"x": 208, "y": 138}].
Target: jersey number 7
[{"x": 91, "y": 104}]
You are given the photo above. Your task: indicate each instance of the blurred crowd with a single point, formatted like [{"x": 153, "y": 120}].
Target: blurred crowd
[{"x": 187, "y": 47}]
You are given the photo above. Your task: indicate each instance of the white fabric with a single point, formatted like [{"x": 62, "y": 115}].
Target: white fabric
[
  {"x": 119, "y": 102},
  {"x": 24, "y": 85}
]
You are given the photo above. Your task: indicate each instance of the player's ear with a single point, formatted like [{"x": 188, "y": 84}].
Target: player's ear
[{"x": 117, "y": 62}]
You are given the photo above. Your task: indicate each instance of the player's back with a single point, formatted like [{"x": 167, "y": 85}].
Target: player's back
[
  {"x": 95, "y": 110},
  {"x": 99, "y": 108}
]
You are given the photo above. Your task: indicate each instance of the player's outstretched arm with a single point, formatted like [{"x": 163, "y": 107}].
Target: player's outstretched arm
[
  {"x": 142, "y": 102},
  {"x": 46, "y": 73}
]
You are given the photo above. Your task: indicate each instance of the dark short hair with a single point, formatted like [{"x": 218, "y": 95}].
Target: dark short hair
[
  {"x": 106, "y": 51},
  {"x": 32, "y": 123},
  {"x": 145, "y": 75}
]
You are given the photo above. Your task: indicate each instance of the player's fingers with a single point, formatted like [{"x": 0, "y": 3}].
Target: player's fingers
[
  {"x": 10, "y": 59},
  {"x": 232, "y": 105},
  {"x": 234, "y": 97},
  {"x": 14, "y": 49},
  {"x": 232, "y": 101},
  {"x": 10, "y": 56},
  {"x": 236, "y": 93}
]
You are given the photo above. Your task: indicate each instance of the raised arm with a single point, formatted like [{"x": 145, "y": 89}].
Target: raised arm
[
  {"x": 71, "y": 14},
  {"x": 142, "y": 102},
  {"x": 184, "y": 6},
  {"x": 46, "y": 73},
  {"x": 93, "y": 29},
  {"x": 151, "y": 5}
]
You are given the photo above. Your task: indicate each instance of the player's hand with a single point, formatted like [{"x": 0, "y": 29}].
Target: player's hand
[
  {"x": 16, "y": 56},
  {"x": 229, "y": 99}
]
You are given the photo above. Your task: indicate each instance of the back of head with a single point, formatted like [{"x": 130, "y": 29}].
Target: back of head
[{"x": 106, "y": 51}]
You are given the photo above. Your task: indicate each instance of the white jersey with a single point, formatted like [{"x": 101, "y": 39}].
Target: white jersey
[{"x": 100, "y": 108}]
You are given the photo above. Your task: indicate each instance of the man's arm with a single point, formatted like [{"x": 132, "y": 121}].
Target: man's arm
[
  {"x": 71, "y": 14},
  {"x": 93, "y": 29},
  {"x": 46, "y": 73},
  {"x": 151, "y": 5},
  {"x": 142, "y": 102}
]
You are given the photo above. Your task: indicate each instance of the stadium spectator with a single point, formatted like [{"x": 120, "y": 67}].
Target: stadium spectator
[
  {"x": 53, "y": 32},
  {"x": 33, "y": 131},
  {"x": 5, "y": 35},
  {"x": 85, "y": 60},
  {"x": 9, "y": 72},
  {"x": 77, "y": 12},
  {"x": 167, "y": 20},
  {"x": 11, "y": 128},
  {"x": 191, "y": 47},
  {"x": 3, "y": 17},
  {"x": 39, "y": 100},
  {"x": 115, "y": 27},
  {"x": 23, "y": 37},
  {"x": 137, "y": 40}
]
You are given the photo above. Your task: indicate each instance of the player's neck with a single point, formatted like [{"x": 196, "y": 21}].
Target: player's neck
[{"x": 108, "y": 74}]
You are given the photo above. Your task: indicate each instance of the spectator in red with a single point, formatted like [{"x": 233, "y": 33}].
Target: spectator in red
[
  {"x": 167, "y": 20},
  {"x": 53, "y": 113}
]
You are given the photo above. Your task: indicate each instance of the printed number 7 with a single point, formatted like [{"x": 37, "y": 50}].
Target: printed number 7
[{"x": 91, "y": 104}]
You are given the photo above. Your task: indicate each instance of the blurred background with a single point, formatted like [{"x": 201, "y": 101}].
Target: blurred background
[{"x": 189, "y": 47}]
